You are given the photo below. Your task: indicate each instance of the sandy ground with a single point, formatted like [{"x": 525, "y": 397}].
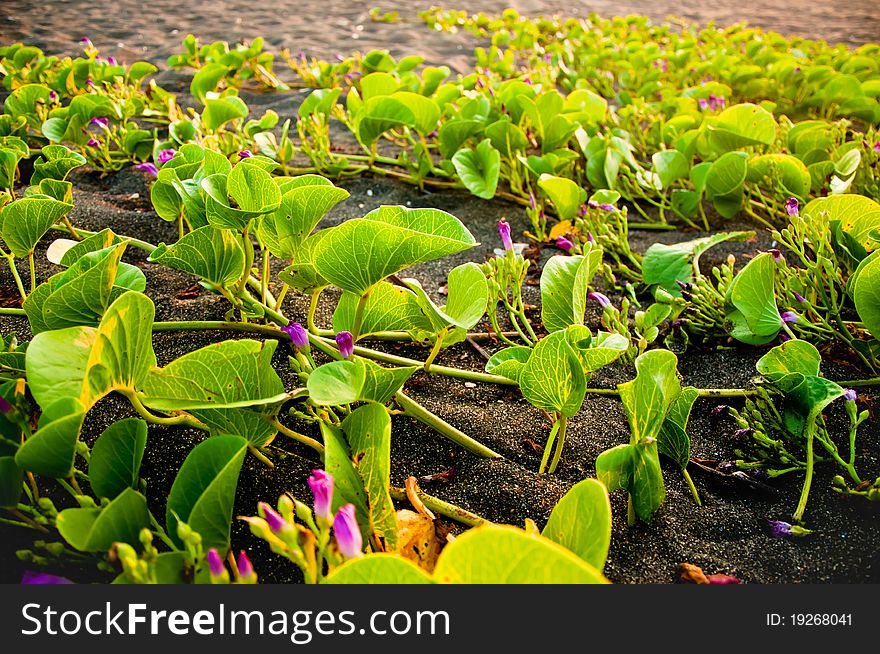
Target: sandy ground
[{"x": 124, "y": 29}]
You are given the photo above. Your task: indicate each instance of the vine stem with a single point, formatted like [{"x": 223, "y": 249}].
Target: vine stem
[
  {"x": 300, "y": 438},
  {"x": 690, "y": 483},
  {"x": 808, "y": 480},
  {"x": 415, "y": 410},
  {"x": 12, "y": 311},
  {"x": 161, "y": 533},
  {"x": 10, "y": 260},
  {"x": 560, "y": 443},
  {"x": 181, "y": 420},
  {"x": 442, "y": 507}
]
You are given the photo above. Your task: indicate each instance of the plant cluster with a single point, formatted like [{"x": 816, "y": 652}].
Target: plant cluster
[{"x": 579, "y": 122}]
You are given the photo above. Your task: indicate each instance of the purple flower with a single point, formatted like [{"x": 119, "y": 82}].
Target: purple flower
[
  {"x": 548, "y": 58},
  {"x": 719, "y": 411},
  {"x": 607, "y": 207},
  {"x": 877, "y": 147},
  {"x": 53, "y": 96},
  {"x": 297, "y": 334},
  {"x": 86, "y": 41},
  {"x": 800, "y": 298},
  {"x": 215, "y": 563},
  {"x": 100, "y": 121},
  {"x": 582, "y": 210},
  {"x": 789, "y": 316},
  {"x": 345, "y": 343},
  {"x": 792, "y": 206},
  {"x": 245, "y": 154},
  {"x": 5, "y": 406},
  {"x": 777, "y": 255},
  {"x": 676, "y": 325},
  {"x": 741, "y": 434},
  {"x": 590, "y": 238},
  {"x": 850, "y": 395},
  {"x": 703, "y": 103},
  {"x": 532, "y": 200},
  {"x": 111, "y": 61},
  {"x": 165, "y": 156},
  {"x": 348, "y": 534},
  {"x": 779, "y": 528},
  {"x": 716, "y": 102},
  {"x": 599, "y": 298},
  {"x": 89, "y": 83},
  {"x": 276, "y": 523},
  {"x": 321, "y": 485},
  {"x": 92, "y": 143},
  {"x": 504, "y": 230},
  {"x": 245, "y": 568},
  {"x": 148, "y": 167},
  {"x": 564, "y": 244},
  {"x": 43, "y": 578},
  {"x": 592, "y": 204}
]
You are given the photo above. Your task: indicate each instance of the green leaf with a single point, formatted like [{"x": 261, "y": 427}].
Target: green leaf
[
  {"x": 212, "y": 254},
  {"x": 219, "y": 111},
  {"x": 598, "y": 352},
  {"x": 355, "y": 380},
  {"x": 86, "y": 363},
  {"x": 206, "y": 80},
  {"x": 204, "y": 491},
  {"x": 116, "y": 457},
  {"x": 51, "y": 449},
  {"x": 468, "y": 293},
  {"x": 388, "y": 308},
  {"x": 665, "y": 264},
  {"x": 506, "y": 555},
  {"x": 670, "y": 166},
  {"x": 565, "y": 195},
  {"x": 253, "y": 189},
  {"x": 648, "y": 397},
  {"x": 300, "y": 211},
  {"x": 751, "y": 302},
  {"x": 11, "y": 479},
  {"x": 253, "y": 426},
  {"x": 565, "y": 282},
  {"x": 553, "y": 379},
  {"x": 378, "y": 569},
  {"x": 361, "y": 252},
  {"x": 25, "y": 221},
  {"x": 229, "y": 374},
  {"x": 509, "y": 362},
  {"x": 673, "y": 441},
  {"x": 95, "y": 530},
  {"x": 81, "y": 295},
  {"x": 866, "y": 293},
  {"x": 581, "y": 522},
  {"x": 741, "y": 125},
  {"x": 636, "y": 469},
  {"x": 727, "y": 174},
  {"x": 479, "y": 169},
  {"x": 368, "y": 429}
]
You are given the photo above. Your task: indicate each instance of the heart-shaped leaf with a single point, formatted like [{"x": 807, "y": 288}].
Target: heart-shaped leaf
[
  {"x": 581, "y": 522},
  {"x": 95, "y": 530},
  {"x": 204, "y": 490},
  {"x": 116, "y": 457},
  {"x": 212, "y": 254}
]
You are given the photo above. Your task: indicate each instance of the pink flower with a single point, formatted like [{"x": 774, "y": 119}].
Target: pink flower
[
  {"x": 345, "y": 343},
  {"x": 148, "y": 167},
  {"x": 564, "y": 244},
  {"x": 504, "y": 231},
  {"x": 321, "y": 484},
  {"x": 348, "y": 534},
  {"x": 165, "y": 156}
]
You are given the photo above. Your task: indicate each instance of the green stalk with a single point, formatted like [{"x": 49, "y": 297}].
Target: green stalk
[
  {"x": 300, "y": 438},
  {"x": 33, "y": 271},
  {"x": 690, "y": 483},
  {"x": 805, "y": 491},
  {"x": 415, "y": 410},
  {"x": 549, "y": 446},
  {"x": 442, "y": 507},
  {"x": 438, "y": 345},
  {"x": 560, "y": 443},
  {"x": 182, "y": 420},
  {"x": 195, "y": 325},
  {"x": 10, "y": 259},
  {"x": 359, "y": 316},
  {"x": 12, "y": 311}
]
